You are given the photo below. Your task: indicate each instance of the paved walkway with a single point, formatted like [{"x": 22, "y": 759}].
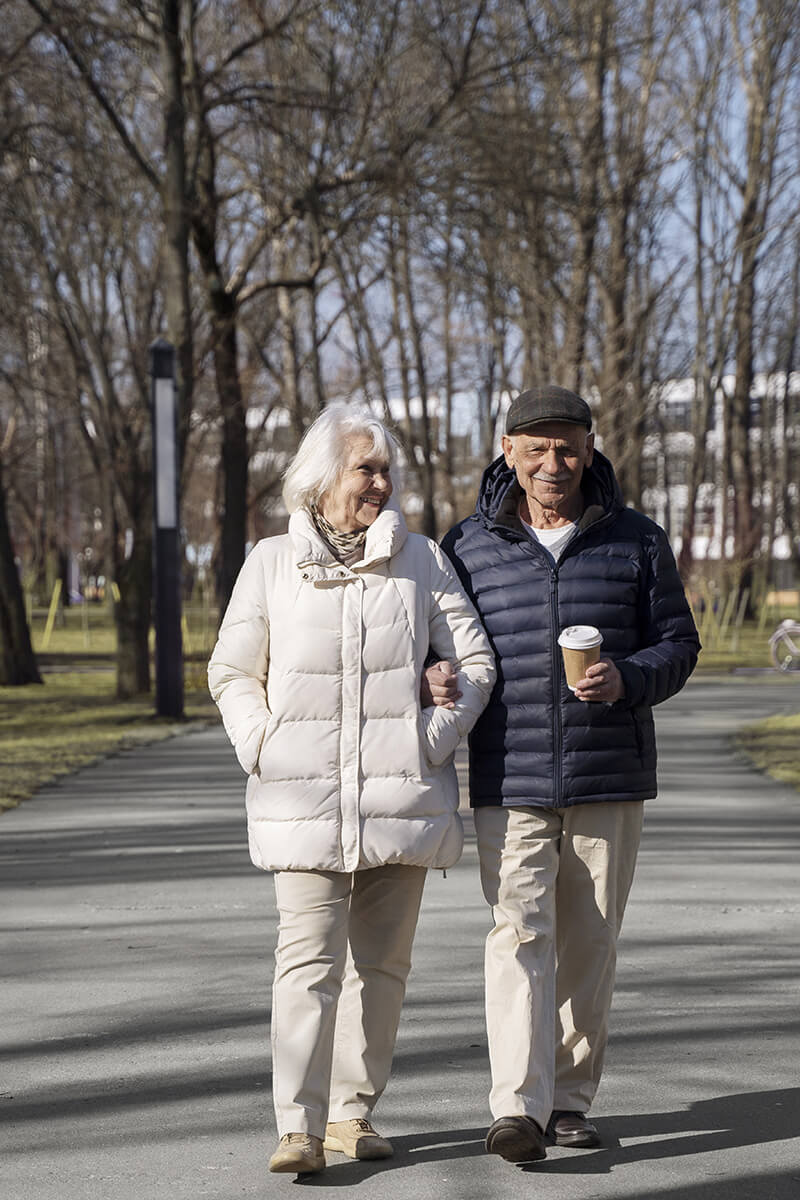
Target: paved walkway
[{"x": 136, "y": 961}]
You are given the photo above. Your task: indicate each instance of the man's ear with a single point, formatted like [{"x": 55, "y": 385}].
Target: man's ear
[
  {"x": 589, "y": 449},
  {"x": 508, "y": 448}
]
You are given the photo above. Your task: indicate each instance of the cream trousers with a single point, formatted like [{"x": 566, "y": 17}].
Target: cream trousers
[
  {"x": 557, "y": 881},
  {"x": 341, "y": 963}
]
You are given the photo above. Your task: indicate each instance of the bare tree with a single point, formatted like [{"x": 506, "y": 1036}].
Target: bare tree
[
  {"x": 97, "y": 268},
  {"x": 638, "y": 147},
  {"x": 17, "y": 661},
  {"x": 702, "y": 94},
  {"x": 765, "y": 48}
]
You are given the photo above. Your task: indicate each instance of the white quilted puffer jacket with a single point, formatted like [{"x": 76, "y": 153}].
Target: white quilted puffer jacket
[{"x": 316, "y": 673}]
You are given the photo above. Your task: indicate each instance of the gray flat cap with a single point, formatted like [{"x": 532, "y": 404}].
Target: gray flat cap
[{"x": 549, "y": 403}]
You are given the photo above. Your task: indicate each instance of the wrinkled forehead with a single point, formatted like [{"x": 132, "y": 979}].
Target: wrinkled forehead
[
  {"x": 551, "y": 433},
  {"x": 360, "y": 447}
]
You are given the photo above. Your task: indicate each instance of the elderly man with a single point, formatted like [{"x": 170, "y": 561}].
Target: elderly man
[{"x": 558, "y": 777}]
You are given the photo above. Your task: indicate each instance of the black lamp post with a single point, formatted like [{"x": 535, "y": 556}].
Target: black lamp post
[{"x": 166, "y": 544}]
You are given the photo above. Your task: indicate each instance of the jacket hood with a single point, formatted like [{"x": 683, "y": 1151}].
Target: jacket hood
[{"x": 499, "y": 491}]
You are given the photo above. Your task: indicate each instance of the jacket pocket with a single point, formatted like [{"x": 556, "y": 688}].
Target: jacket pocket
[
  {"x": 270, "y": 726},
  {"x": 645, "y": 734},
  {"x": 424, "y": 744}
]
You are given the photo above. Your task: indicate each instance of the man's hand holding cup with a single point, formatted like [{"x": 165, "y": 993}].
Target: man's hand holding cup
[
  {"x": 601, "y": 682},
  {"x": 590, "y": 677}
]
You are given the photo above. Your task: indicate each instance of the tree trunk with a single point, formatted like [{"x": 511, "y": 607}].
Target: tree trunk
[
  {"x": 369, "y": 353},
  {"x": 448, "y": 465},
  {"x": 410, "y": 436},
  {"x": 703, "y": 397},
  {"x": 783, "y": 480},
  {"x": 234, "y": 460},
  {"x": 426, "y": 441},
  {"x": 745, "y": 530},
  {"x": 703, "y": 393},
  {"x": 765, "y": 99},
  {"x": 133, "y": 571},
  {"x": 316, "y": 357},
  {"x": 290, "y": 375},
  {"x": 587, "y": 200},
  {"x": 17, "y": 660},
  {"x": 223, "y": 310},
  {"x": 615, "y": 369},
  {"x": 176, "y": 219},
  {"x": 746, "y": 533}
]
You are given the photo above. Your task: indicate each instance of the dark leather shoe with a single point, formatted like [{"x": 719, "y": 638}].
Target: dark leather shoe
[
  {"x": 516, "y": 1139},
  {"x": 572, "y": 1129}
]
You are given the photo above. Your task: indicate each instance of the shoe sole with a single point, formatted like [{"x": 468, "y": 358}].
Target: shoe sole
[
  {"x": 296, "y": 1169},
  {"x": 290, "y": 1168},
  {"x": 514, "y": 1147},
  {"x": 579, "y": 1141},
  {"x": 364, "y": 1152}
]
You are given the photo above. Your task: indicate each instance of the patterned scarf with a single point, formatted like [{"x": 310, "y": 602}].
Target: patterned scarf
[{"x": 342, "y": 545}]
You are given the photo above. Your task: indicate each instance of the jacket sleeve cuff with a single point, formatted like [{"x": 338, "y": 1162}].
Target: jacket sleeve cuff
[
  {"x": 633, "y": 679},
  {"x": 442, "y": 734},
  {"x": 248, "y": 749}
]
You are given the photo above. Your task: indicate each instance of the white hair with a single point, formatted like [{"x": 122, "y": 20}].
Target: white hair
[{"x": 321, "y": 456}]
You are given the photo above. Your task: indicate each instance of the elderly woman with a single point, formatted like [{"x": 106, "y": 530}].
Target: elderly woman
[{"x": 352, "y": 793}]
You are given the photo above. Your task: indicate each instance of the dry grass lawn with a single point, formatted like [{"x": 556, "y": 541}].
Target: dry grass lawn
[
  {"x": 774, "y": 747},
  {"x": 72, "y": 720}
]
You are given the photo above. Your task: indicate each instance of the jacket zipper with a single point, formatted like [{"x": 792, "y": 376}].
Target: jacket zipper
[
  {"x": 359, "y": 707},
  {"x": 555, "y": 666},
  {"x": 558, "y": 727}
]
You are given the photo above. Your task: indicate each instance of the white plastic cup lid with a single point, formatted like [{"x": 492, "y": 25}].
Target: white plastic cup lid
[{"x": 580, "y": 637}]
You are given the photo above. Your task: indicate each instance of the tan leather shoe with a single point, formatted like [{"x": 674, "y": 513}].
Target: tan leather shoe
[
  {"x": 356, "y": 1139},
  {"x": 299, "y": 1154}
]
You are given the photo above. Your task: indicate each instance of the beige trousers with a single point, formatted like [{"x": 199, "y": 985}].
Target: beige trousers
[
  {"x": 557, "y": 881},
  {"x": 341, "y": 963}
]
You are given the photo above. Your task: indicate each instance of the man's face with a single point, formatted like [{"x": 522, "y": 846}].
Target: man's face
[{"x": 549, "y": 461}]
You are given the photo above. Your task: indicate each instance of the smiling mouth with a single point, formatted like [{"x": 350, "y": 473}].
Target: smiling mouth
[{"x": 373, "y": 501}]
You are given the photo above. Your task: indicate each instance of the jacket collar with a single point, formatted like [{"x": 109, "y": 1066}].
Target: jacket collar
[{"x": 385, "y": 537}]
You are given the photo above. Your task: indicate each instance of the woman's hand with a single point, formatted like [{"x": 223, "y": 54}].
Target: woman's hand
[{"x": 439, "y": 685}]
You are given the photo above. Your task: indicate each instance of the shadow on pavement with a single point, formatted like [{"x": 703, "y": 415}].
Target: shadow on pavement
[
  {"x": 441, "y": 1146},
  {"x": 722, "y": 1123},
  {"x": 187, "y": 846}
]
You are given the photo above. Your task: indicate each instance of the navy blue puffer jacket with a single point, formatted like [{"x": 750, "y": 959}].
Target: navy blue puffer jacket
[{"x": 535, "y": 743}]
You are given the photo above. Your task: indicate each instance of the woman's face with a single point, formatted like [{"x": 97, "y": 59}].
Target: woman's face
[{"x": 361, "y": 490}]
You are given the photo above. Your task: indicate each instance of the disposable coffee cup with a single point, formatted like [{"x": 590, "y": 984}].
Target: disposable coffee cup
[{"x": 580, "y": 646}]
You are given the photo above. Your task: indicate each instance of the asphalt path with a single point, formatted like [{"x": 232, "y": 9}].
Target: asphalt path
[{"x": 136, "y": 949}]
